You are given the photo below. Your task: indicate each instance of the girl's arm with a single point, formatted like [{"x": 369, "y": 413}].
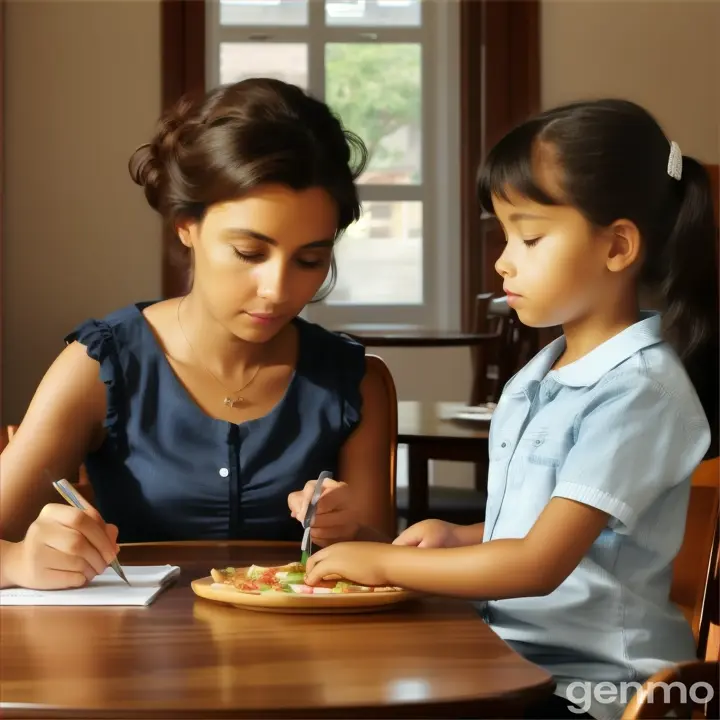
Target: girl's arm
[
  {"x": 534, "y": 565},
  {"x": 469, "y": 534},
  {"x": 440, "y": 533}
]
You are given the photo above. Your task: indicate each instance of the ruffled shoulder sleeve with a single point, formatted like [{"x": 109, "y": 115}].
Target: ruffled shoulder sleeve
[
  {"x": 338, "y": 364},
  {"x": 98, "y": 338},
  {"x": 351, "y": 362}
]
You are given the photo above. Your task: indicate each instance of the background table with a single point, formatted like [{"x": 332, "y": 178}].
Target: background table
[
  {"x": 184, "y": 657},
  {"x": 429, "y": 434},
  {"x": 380, "y": 335}
]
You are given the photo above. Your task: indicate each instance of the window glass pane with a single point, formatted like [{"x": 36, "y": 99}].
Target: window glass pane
[
  {"x": 283, "y": 61},
  {"x": 375, "y": 88},
  {"x": 380, "y": 257},
  {"x": 387, "y": 13},
  {"x": 263, "y": 12}
]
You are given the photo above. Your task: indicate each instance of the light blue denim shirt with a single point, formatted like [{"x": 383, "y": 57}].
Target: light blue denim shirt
[{"x": 622, "y": 430}]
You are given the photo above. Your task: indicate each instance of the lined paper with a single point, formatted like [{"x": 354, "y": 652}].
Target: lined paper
[{"x": 146, "y": 582}]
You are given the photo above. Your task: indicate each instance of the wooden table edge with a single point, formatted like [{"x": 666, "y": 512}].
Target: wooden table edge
[
  {"x": 468, "y": 707},
  {"x": 499, "y": 706},
  {"x": 279, "y": 544}
]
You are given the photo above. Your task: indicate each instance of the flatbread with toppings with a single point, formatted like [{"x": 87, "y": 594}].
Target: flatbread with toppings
[{"x": 288, "y": 579}]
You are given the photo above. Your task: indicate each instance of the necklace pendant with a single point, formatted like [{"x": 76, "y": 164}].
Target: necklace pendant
[{"x": 231, "y": 402}]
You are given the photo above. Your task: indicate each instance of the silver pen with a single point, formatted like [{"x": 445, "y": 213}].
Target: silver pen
[{"x": 68, "y": 494}]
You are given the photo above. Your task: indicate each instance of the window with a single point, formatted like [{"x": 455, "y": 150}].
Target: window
[{"x": 389, "y": 69}]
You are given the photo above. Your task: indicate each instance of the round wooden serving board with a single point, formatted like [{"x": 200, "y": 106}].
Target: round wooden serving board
[{"x": 289, "y": 603}]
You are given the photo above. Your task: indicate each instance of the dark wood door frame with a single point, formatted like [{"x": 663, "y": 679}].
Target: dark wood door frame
[
  {"x": 500, "y": 86},
  {"x": 182, "y": 28},
  {"x": 2, "y": 186}
]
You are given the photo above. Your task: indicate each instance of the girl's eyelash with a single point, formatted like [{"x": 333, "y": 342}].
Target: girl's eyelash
[{"x": 533, "y": 242}]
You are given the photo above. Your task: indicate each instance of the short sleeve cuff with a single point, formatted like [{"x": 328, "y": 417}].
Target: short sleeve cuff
[{"x": 599, "y": 499}]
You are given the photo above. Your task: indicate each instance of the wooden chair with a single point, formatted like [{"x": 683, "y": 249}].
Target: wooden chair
[
  {"x": 697, "y": 564},
  {"x": 694, "y": 562},
  {"x": 377, "y": 366},
  {"x": 496, "y": 362},
  {"x": 6, "y": 434},
  {"x": 671, "y": 690}
]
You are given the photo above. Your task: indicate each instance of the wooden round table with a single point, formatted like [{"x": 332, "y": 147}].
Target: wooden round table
[{"x": 183, "y": 657}]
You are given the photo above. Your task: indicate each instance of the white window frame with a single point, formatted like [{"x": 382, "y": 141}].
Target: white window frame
[{"x": 439, "y": 190}]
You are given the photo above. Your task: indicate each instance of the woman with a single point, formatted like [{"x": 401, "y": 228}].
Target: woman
[{"x": 208, "y": 416}]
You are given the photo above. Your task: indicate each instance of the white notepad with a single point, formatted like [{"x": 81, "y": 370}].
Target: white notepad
[{"x": 146, "y": 582}]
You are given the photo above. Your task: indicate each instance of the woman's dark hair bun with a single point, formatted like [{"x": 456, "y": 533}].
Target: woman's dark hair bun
[
  {"x": 148, "y": 164},
  {"x": 257, "y": 131}
]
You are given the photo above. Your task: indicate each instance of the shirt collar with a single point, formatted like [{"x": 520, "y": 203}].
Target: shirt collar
[{"x": 591, "y": 367}]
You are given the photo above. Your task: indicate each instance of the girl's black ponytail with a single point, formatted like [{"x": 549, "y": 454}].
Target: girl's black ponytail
[
  {"x": 617, "y": 163},
  {"x": 689, "y": 285}
]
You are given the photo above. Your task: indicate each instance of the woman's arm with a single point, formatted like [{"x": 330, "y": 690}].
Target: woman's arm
[{"x": 64, "y": 421}]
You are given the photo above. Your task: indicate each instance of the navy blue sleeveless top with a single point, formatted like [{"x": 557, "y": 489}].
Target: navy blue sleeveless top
[{"x": 168, "y": 471}]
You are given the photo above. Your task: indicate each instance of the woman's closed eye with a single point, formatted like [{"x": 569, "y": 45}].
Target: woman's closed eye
[
  {"x": 531, "y": 242},
  {"x": 248, "y": 255},
  {"x": 309, "y": 262}
]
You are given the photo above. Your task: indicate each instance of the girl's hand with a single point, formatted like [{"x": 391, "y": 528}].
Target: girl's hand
[
  {"x": 65, "y": 547},
  {"x": 335, "y": 519},
  {"x": 429, "y": 534},
  {"x": 360, "y": 562}
]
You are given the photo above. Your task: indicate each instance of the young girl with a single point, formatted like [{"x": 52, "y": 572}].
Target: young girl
[
  {"x": 210, "y": 415},
  {"x": 593, "y": 443}
]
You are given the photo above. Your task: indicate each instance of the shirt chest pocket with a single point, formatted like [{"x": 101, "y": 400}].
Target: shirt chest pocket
[{"x": 542, "y": 448}]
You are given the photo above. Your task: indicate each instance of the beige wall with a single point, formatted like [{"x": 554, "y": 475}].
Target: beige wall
[
  {"x": 83, "y": 85},
  {"x": 83, "y": 90},
  {"x": 664, "y": 54}
]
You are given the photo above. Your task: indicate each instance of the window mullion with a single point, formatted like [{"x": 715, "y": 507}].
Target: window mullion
[{"x": 316, "y": 49}]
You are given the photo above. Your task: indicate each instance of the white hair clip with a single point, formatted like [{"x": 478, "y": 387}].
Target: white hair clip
[{"x": 674, "y": 167}]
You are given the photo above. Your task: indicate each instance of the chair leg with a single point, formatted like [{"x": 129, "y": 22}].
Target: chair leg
[
  {"x": 418, "y": 482},
  {"x": 481, "y": 477}
]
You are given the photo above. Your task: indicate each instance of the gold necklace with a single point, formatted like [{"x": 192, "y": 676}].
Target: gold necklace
[{"x": 228, "y": 400}]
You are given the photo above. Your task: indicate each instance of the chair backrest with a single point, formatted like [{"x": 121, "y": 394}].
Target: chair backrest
[
  {"x": 695, "y": 581},
  {"x": 377, "y": 366},
  {"x": 484, "y": 356},
  {"x": 707, "y": 609},
  {"x": 498, "y": 361},
  {"x": 6, "y": 434},
  {"x": 696, "y": 588},
  {"x": 688, "y": 690}
]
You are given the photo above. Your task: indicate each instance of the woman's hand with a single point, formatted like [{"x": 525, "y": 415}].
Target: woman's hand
[
  {"x": 64, "y": 547},
  {"x": 335, "y": 518}
]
